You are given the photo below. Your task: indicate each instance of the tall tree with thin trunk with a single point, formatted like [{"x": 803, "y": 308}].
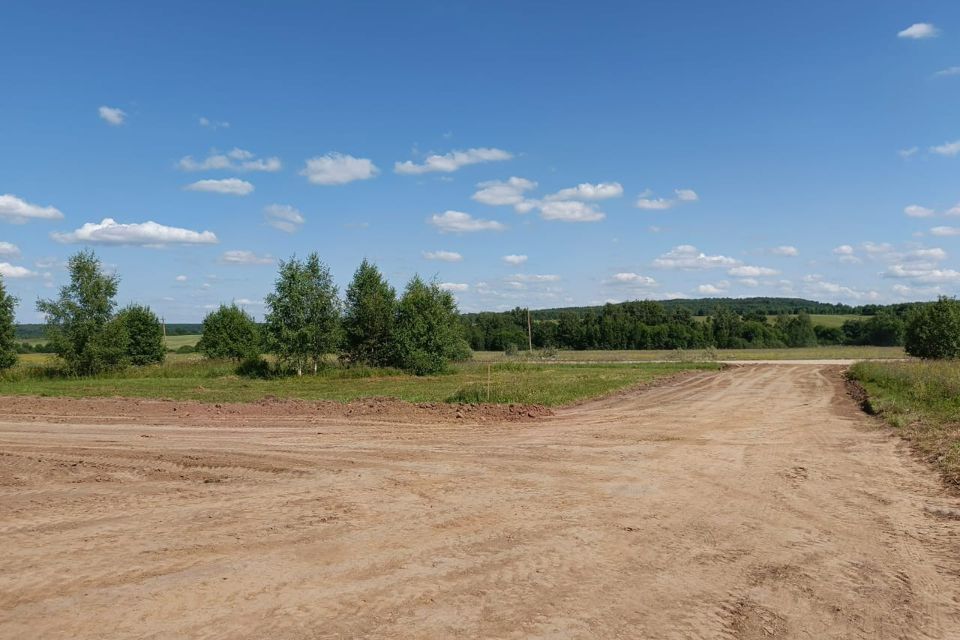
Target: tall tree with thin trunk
[
  {"x": 368, "y": 320},
  {"x": 8, "y": 349}
]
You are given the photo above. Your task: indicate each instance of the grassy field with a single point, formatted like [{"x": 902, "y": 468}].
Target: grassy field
[
  {"x": 921, "y": 400},
  {"x": 811, "y": 353},
  {"x": 188, "y": 378},
  {"x": 175, "y": 342}
]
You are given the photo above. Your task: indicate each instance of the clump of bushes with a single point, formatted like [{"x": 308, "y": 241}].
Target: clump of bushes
[{"x": 933, "y": 330}]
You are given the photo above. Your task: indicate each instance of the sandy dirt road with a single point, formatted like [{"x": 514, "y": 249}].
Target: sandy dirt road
[{"x": 756, "y": 502}]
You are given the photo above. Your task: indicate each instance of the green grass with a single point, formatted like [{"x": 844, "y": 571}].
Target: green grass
[
  {"x": 175, "y": 342},
  {"x": 205, "y": 381},
  {"x": 811, "y": 353},
  {"x": 921, "y": 400}
]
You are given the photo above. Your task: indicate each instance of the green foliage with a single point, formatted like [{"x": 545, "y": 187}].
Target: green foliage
[
  {"x": 8, "y": 347},
  {"x": 229, "y": 333},
  {"x": 303, "y": 314},
  {"x": 933, "y": 330},
  {"x": 797, "y": 330},
  {"x": 145, "y": 335},
  {"x": 369, "y": 316},
  {"x": 79, "y": 322},
  {"x": 427, "y": 334}
]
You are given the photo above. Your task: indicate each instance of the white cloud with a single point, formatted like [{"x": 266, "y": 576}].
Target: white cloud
[
  {"x": 949, "y": 71},
  {"x": 922, "y": 274},
  {"x": 919, "y": 31},
  {"x": 686, "y": 195},
  {"x": 455, "y": 287},
  {"x": 443, "y": 256},
  {"x": 815, "y": 285},
  {"x": 460, "y": 222},
  {"x": 713, "y": 289},
  {"x": 587, "y": 191},
  {"x": 452, "y": 161},
  {"x": 228, "y": 186},
  {"x": 535, "y": 277},
  {"x": 213, "y": 124},
  {"x": 112, "y": 115},
  {"x": 945, "y": 231},
  {"x": 687, "y": 257},
  {"x": 241, "y": 257},
  {"x": 934, "y": 253},
  {"x": 749, "y": 282},
  {"x": 908, "y": 153},
  {"x": 947, "y": 148},
  {"x": 514, "y": 259},
  {"x": 8, "y": 270},
  {"x": 746, "y": 271},
  {"x": 283, "y": 217},
  {"x": 654, "y": 204},
  {"x": 235, "y": 160},
  {"x": 916, "y": 211},
  {"x": 145, "y": 234},
  {"x": 785, "y": 250},
  {"x": 635, "y": 279},
  {"x": 9, "y": 250},
  {"x": 338, "y": 168},
  {"x": 843, "y": 250},
  {"x": 181, "y": 278},
  {"x": 570, "y": 211},
  {"x": 507, "y": 192},
  {"x": 17, "y": 211},
  {"x": 953, "y": 211}
]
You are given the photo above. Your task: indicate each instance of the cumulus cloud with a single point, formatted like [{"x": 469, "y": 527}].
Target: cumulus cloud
[
  {"x": 947, "y": 148},
  {"x": 443, "y": 256},
  {"x": 949, "y": 71},
  {"x": 919, "y": 31},
  {"x": 505, "y": 192},
  {"x": 689, "y": 258},
  {"x": 843, "y": 250},
  {"x": 908, "y": 153},
  {"x": 181, "y": 278},
  {"x": 213, "y": 124},
  {"x": 283, "y": 217},
  {"x": 588, "y": 191},
  {"x": 923, "y": 274},
  {"x": 228, "y": 186},
  {"x": 145, "y": 234},
  {"x": 570, "y": 211},
  {"x": 785, "y": 250},
  {"x": 682, "y": 196},
  {"x": 9, "y": 250},
  {"x": 746, "y": 271},
  {"x": 112, "y": 115},
  {"x": 686, "y": 195},
  {"x": 945, "y": 231},
  {"x": 8, "y": 270},
  {"x": 452, "y": 161},
  {"x": 535, "y": 277},
  {"x": 815, "y": 285},
  {"x": 234, "y": 160},
  {"x": 454, "y": 287},
  {"x": 338, "y": 168},
  {"x": 916, "y": 211},
  {"x": 632, "y": 279},
  {"x": 242, "y": 257},
  {"x": 18, "y": 211},
  {"x": 460, "y": 222},
  {"x": 514, "y": 259},
  {"x": 713, "y": 289}
]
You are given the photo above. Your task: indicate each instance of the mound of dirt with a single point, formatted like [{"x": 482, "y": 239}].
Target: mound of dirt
[{"x": 126, "y": 410}]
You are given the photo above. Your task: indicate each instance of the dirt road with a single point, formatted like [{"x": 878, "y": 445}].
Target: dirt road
[{"x": 751, "y": 503}]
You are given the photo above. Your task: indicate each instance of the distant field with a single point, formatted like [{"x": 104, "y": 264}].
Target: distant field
[
  {"x": 186, "y": 379},
  {"x": 175, "y": 342},
  {"x": 809, "y": 353}
]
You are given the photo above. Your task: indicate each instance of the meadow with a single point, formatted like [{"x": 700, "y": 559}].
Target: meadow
[{"x": 921, "y": 400}]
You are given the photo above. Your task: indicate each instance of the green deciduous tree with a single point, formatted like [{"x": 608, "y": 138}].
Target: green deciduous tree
[
  {"x": 8, "y": 347},
  {"x": 229, "y": 333},
  {"x": 79, "y": 322},
  {"x": 933, "y": 330},
  {"x": 303, "y": 318},
  {"x": 427, "y": 333},
  {"x": 144, "y": 335},
  {"x": 368, "y": 322}
]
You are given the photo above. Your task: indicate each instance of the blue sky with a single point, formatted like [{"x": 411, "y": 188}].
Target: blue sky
[{"x": 537, "y": 153}]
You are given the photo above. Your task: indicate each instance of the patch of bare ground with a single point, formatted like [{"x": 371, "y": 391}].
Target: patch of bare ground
[{"x": 757, "y": 502}]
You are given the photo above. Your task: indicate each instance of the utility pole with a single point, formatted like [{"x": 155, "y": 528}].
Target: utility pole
[{"x": 529, "y": 332}]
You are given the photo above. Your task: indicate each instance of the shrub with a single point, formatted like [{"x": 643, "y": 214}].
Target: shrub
[
  {"x": 368, "y": 318},
  {"x": 8, "y": 347},
  {"x": 933, "y": 330},
  {"x": 144, "y": 335},
  {"x": 427, "y": 335},
  {"x": 229, "y": 333}
]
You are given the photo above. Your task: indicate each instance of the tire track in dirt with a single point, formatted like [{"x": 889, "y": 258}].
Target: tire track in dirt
[{"x": 756, "y": 502}]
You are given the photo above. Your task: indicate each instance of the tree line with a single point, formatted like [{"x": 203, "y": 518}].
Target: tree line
[{"x": 305, "y": 322}]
